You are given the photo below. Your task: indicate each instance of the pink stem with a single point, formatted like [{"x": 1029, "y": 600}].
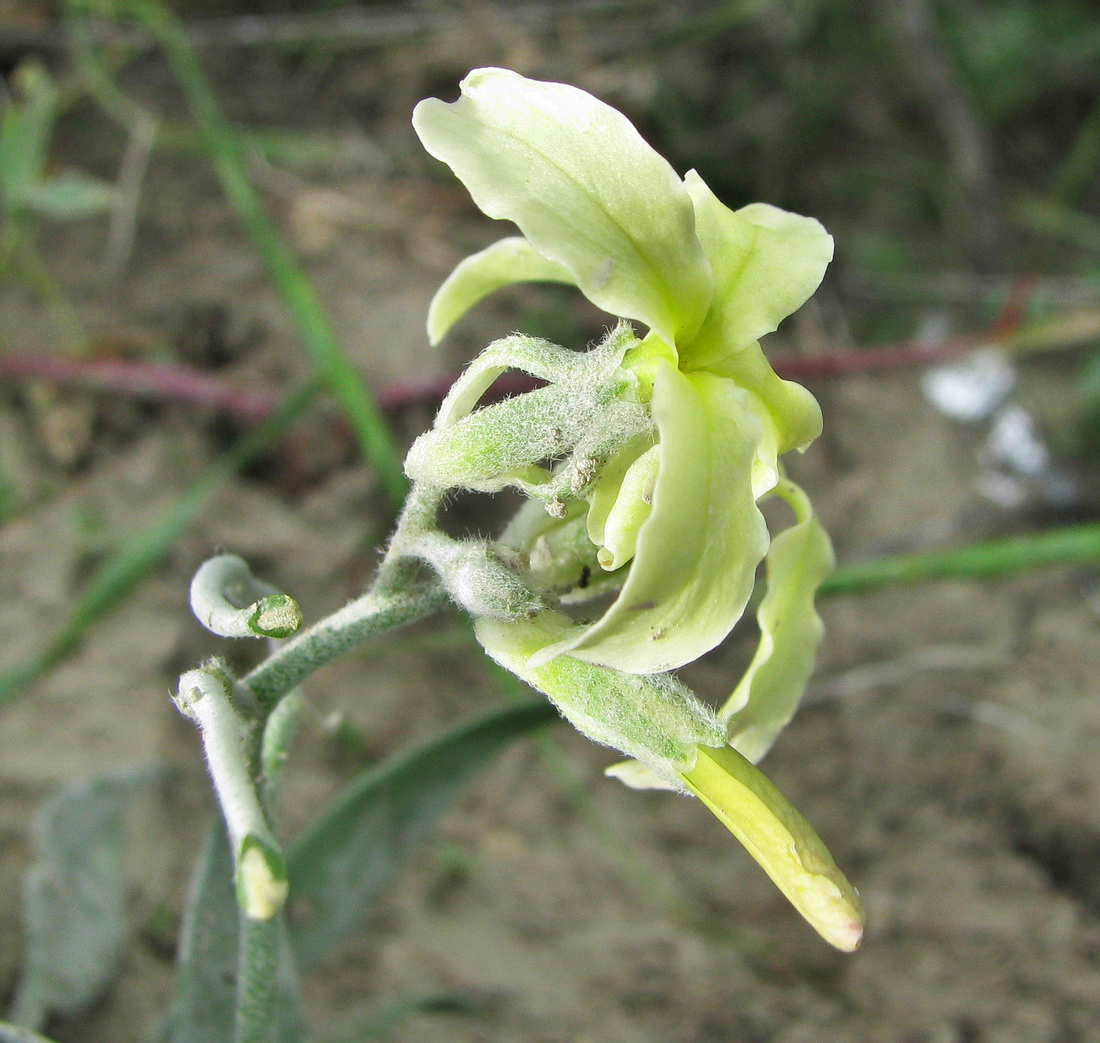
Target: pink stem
[{"x": 181, "y": 384}]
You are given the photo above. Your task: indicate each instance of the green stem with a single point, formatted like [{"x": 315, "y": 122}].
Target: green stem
[
  {"x": 333, "y": 366},
  {"x": 257, "y": 980},
  {"x": 1077, "y": 545},
  {"x": 278, "y": 734},
  {"x": 381, "y": 609}
]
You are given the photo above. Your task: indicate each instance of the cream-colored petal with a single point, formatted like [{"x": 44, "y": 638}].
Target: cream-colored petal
[
  {"x": 765, "y": 263},
  {"x": 585, "y": 189},
  {"x": 507, "y": 261},
  {"x": 790, "y": 631},
  {"x": 698, "y": 550}
]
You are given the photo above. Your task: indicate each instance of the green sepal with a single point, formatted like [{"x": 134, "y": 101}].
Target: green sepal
[
  {"x": 502, "y": 444},
  {"x": 532, "y": 355},
  {"x": 653, "y": 718}
]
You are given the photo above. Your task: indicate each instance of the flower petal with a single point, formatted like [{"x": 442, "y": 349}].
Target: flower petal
[
  {"x": 790, "y": 631},
  {"x": 765, "y": 262},
  {"x": 621, "y": 501},
  {"x": 506, "y": 262},
  {"x": 794, "y": 410},
  {"x": 584, "y": 188},
  {"x": 698, "y": 550},
  {"x": 782, "y": 842}
]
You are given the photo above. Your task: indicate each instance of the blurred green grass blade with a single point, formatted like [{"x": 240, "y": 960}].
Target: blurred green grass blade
[
  {"x": 70, "y": 195},
  {"x": 145, "y": 549},
  {"x": 1075, "y": 545},
  {"x": 17, "y": 1034},
  {"x": 74, "y": 897},
  {"x": 339, "y": 866},
  {"x": 333, "y": 367},
  {"x": 382, "y": 1022}
]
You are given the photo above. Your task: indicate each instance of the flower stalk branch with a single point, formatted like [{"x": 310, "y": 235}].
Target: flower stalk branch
[{"x": 204, "y": 696}]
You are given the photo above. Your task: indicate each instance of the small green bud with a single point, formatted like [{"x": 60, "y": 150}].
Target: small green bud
[
  {"x": 481, "y": 577},
  {"x": 277, "y": 615}
]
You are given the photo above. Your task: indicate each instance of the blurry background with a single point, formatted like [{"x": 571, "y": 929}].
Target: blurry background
[{"x": 947, "y": 749}]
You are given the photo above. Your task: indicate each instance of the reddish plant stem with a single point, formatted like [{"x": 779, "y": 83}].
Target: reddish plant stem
[
  {"x": 181, "y": 384},
  {"x": 141, "y": 379}
]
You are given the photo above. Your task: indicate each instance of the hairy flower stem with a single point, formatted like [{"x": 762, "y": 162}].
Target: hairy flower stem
[
  {"x": 381, "y": 609},
  {"x": 257, "y": 962}
]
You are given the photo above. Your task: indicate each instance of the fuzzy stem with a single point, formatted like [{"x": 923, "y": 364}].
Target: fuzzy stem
[
  {"x": 257, "y": 962},
  {"x": 381, "y": 609},
  {"x": 230, "y": 602},
  {"x": 261, "y": 872}
]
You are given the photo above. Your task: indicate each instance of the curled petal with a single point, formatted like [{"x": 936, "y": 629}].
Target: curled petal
[
  {"x": 790, "y": 632},
  {"x": 765, "y": 262},
  {"x": 621, "y": 501},
  {"x": 506, "y": 262},
  {"x": 584, "y": 188},
  {"x": 698, "y": 550},
  {"x": 782, "y": 842},
  {"x": 794, "y": 411}
]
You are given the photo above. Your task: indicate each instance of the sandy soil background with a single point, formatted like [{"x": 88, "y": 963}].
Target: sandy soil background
[{"x": 947, "y": 751}]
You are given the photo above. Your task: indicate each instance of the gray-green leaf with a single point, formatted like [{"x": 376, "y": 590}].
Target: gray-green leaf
[{"x": 74, "y": 897}]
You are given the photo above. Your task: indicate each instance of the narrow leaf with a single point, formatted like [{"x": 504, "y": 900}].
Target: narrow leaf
[
  {"x": 339, "y": 867},
  {"x": 205, "y": 1002}
]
